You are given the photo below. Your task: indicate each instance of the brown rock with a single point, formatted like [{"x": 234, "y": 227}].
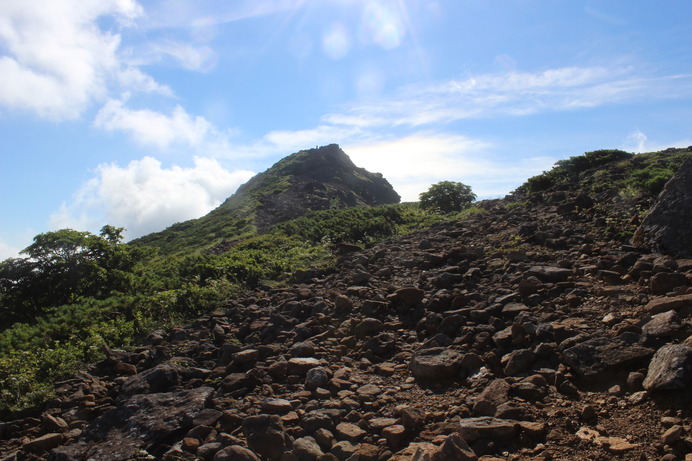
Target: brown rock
[
  {"x": 395, "y": 436},
  {"x": 454, "y": 448},
  {"x": 664, "y": 304},
  {"x": 44, "y": 443},
  {"x": 235, "y": 453},
  {"x": 266, "y": 436},
  {"x": 349, "y": 432},
  {"x": 436, "y": 363}
]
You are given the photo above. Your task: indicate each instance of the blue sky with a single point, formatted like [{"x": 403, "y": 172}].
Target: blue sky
[{"x": 141, "y": 114}]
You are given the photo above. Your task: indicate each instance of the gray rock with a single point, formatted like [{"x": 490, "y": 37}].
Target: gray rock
[
  {"x": 158, "y": 379},
  {"x": 518, "y": 361},
  {"x": 670, "y": 368},
  {"x": 455, "y": 448},
  {"x": 369, "y": 327},
  {"x": 472, "y": 429},
  {"x": 436, "y": 363},
  {"x": 663, "y": 324},
  {"x": 599, "y": 355},
  {"x": 235, "y": 453},
  {"x": 317, "y": 420},
  {"x": 317, "y": 377},
  {"x": 666, "y": 229},
  {"x": 140, "y": 421},
  {"x": 549, "y": 274},
  {"x": 266, "y": 436},
  {"x": 306, "y": 449}
]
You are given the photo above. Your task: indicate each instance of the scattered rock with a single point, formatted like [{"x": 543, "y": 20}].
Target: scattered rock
[{"x": 670, "y": 368}]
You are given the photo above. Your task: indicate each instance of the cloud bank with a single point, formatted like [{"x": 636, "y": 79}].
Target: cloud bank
[{"x": 144, "y": 197}]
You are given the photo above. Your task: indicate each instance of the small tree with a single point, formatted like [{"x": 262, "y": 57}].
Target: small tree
[{"x": 447, "y": 197}]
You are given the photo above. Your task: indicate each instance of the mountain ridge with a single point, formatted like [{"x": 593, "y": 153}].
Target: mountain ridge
[
  {"x": 530, "y": 328},
  {"x": 309, "y": 180}
]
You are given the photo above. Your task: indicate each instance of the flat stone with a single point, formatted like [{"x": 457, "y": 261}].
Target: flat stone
[
  {"x": 378, "y": 424},
  {"x": 249, "y": 356},
  {"x": 369, "y": 390},
  {"x": 549, "y": 274},
  {"x": 300, "y": 365},
  {"x": 276, "y": 406},
  {"x": 664, "y": 304},
  {"x": 599, "y": 355},
  {"x": 350, "y": 432},
  {"x": 367, "y": 452},
  {"x": 436, "y": 363},
  {"x": 43, "y": 443},
  {"x": 484, "y": 427}
]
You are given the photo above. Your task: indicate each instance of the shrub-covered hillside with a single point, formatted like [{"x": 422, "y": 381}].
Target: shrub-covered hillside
[{"x": 74, "y": 293}]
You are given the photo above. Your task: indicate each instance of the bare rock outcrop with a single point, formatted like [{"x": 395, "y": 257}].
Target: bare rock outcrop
[{"x": 666, "y": 229}]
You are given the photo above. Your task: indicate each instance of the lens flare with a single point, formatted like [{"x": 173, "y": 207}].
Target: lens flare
[
  {"x": 381, "y": 25},
  {"x": 336, "y": 42}
]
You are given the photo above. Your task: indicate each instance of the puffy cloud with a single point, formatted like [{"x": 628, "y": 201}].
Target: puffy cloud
[
  {"x": 412, "y": 163},
  {"x": 152, "y": 128},
  {"x": 55, "y": 58},
  {"x": 144, "y": 197}
]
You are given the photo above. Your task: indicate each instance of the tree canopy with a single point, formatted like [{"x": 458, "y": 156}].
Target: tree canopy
[
  {"x": 447, "y": 197},
  {"x": 62, "y": 266}
]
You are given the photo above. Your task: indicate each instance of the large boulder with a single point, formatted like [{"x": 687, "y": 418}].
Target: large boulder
[
  {"x": 666, "y": 229},
  {"x": 670, "y": 368},
  {"x": 141, "y": 421}
]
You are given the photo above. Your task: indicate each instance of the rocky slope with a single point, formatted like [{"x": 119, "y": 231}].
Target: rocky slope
[
  {"x": 310, "y": 180},
  {"x": 520, "y": 333}
]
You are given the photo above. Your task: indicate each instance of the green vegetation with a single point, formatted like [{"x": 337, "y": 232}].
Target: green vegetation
[
  {"x": 447, "y": 197},
  {"x": 569, "y": 170},
  {"x": 612, "y": 170},
  {"x": 76, "y": 292}
]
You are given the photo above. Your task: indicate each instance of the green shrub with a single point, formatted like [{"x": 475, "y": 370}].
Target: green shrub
[{"x": 447, "y": 197}]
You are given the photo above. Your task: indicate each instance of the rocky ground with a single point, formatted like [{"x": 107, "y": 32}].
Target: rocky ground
[{"x": 520, "y": 333}]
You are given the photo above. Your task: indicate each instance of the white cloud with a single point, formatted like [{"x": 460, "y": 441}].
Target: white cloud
[
  {"x": 412, "y": 163},
  {"x": 186, "y": 13},
  {"x": 636, "y": 141},
  {"x": 151, "y": 128},
  {"x": 55, "y": 58},
  {"x": 510, "y": 93},
  {"x": 144, "y": 197},
  {"x": 196, "y": 57},
  {"x": 7, "y": 250}
]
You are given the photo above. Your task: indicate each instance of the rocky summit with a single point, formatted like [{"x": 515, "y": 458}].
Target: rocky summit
[{"x": 521, "y": 332}]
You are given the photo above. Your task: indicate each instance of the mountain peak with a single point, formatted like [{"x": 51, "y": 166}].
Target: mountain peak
[{"x": 309, "y": 180}]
